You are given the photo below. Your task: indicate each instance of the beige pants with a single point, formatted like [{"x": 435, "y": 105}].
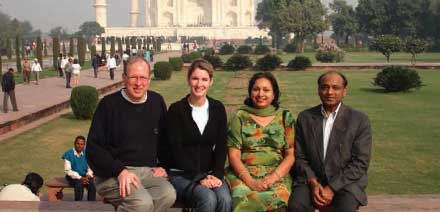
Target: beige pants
[{"x": 157, "y": 194}]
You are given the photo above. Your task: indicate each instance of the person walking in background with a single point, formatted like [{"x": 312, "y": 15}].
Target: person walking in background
[
  {"x": 95, "y": 63},
  {"x": 68, "y": 70},
  {"x": 60, "y": 65},
  {"x": 36, "y": 68},
  {"x": 64, "y": 61},
  {"x": 27, "y": 71},
  {"x": 8, "y": 87},
  {"x": 125, "y": 58},
  {"x": 78, "y": 173},
  {"x": 29, "y": 190},
  {"x": 76, "y": 69},
  {"x": 112, "y": 67}
]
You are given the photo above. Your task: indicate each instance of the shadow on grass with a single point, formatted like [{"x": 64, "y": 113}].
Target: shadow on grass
[{"x": 373, "y": 90}]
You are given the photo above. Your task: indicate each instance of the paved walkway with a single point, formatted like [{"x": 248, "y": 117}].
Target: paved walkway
[{"x": 33, "y": 99}]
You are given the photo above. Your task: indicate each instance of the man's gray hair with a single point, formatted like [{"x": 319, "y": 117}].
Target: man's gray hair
[{"x": 135, "y": 59}]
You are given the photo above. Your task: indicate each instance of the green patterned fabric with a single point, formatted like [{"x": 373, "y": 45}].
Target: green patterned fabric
[{"x": 262, "y": 150}]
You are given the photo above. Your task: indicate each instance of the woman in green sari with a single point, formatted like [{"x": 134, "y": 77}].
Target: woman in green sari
[{"x": 261, "y": 149}]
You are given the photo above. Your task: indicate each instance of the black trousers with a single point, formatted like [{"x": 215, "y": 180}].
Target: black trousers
[
  {"x": 301, "y": 200},
  {"x": 79, "y": 189},
  {"x": 112, "y": 73},
  {"x": 60, "y": 71},
  {"x": 68, "y": 77}
]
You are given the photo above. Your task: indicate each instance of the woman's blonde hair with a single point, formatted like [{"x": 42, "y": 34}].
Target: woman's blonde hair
[{"x": 203, "y": 65}]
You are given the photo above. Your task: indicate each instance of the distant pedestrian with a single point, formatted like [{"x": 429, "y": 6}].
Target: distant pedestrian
[
  {"x": 95, "y": 63},
  {"x": 64, "y": 61},
  {"x": 26, "y": 71},
  {"x": 68, "y": 69},
  {"x": 111, "y": 65},
  {"x": 59, "y": 65},
  {"x": 8, "y": 87},
  {"x": 125, "y": 58},
  {"x": 147, "y": 56},
  {"x": 76, "y": 68},
  {"x": 36, "y": 68}
]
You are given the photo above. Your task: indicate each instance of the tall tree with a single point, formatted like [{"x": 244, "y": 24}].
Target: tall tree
[
  {"x": 103, "y": 50},
  {"x": 343, "y": 20},
  {"x": 89, "y": 30},
  {"x": 92, "y": 54},
  {"x": 64, "y": 48},
  {"x": 120, "y": 51},
  {"x": 303, "y": 18},
  {"x": 81, "y": 46},
  {"x": 71, "y": 47},
  {"x": 112, "y": 46},
  {"x": 127, "y": 42},
  {"x": 8, "y": 48},
  {"x": 396, "y": 17},
  {"x": 59, "y": 32},
  {"x": 17, "y": 52},
  {"x": 45, "y": 48},
  {"x": 55, "y": 51},
  {"x": 40, "y": 51},
  {"x": 268, "y": 18}
]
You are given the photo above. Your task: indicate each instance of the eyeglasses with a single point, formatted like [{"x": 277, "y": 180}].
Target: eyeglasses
[{"x": 138, "y": 78}]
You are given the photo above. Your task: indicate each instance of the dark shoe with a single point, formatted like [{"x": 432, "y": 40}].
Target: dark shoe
[{"x": 15, "y": 110}]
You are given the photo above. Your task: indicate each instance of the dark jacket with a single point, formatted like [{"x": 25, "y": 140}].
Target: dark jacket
[
  {"x": 191, "y": 151},
  {"x": 8, "y": 82},
  {"x": 348, "y": 152}
]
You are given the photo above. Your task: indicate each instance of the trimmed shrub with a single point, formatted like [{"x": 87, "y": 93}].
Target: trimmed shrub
[
  {"x": 176, "y": 63},
  {"x": 189, "y": 58},
  {"x": 387, "y": 45},
  {"x": 329, "y": 53},
  {"x": 398, "y": 78},
  {"x": 215, "y": 60},
  {"x": 208, "y": 52},
  {"x": 268, "y": 62},
  {"x": 83, "y": 101},
  {"x": 299, "y": 63},
  {"x": 227, "y": 49},
  {"x": 290, "y": 48},
  {"x": 244, "y": 49},
  {"x": 238, "y": 62},
  {"x": 261, "y": 49},
  {"x": 162, "y": 70}
]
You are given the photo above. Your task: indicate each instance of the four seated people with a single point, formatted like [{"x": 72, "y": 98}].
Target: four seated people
[{"x": 144, "y": 156}]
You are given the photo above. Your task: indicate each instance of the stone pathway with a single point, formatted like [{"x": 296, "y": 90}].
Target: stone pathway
[{"x": 34, "y": 99}]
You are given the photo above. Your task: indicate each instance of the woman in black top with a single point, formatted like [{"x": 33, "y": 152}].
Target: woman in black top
[{"x": 197, "y": 143}]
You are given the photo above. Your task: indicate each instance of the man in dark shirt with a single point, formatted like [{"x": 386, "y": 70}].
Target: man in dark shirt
[
  {"x": 8, "y": 87},
  {"x": 123, "y": 142}
]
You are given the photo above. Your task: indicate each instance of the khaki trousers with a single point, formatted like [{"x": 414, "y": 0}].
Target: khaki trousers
[
  {"x": 156, "y": 193},
  {"x": 10, "y": 94}
]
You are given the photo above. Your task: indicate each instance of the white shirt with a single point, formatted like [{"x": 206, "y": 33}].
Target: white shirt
[
  {"x": 200, "y": 115},
  {"x": 112, "y": 63},
  {"x": 36, "y": 67},
  {"x": 73, "y": 174},
  {"x": 64, "y": 61},
  {"x": 76, "y": 68},
  {"x": 327, "y": 126},
  {"x": 17, "y": 192}
]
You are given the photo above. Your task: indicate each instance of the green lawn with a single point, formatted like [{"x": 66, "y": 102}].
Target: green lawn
[
  {"x": 406, "y": 128},
  {"x": 362, "y": 57}
]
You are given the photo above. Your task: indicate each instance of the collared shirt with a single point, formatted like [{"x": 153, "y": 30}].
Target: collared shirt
[
  {"x": 124, "y": 94},
  {"x": 327, "y": 126},
  {"x": 68, "y": 166},
  {"x": 200, "y": 115},
  {"x": 112, "y": 63}
]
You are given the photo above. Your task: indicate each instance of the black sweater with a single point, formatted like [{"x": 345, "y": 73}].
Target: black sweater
[
  {"x": 125, "y": 134},
  {"x": 191, "y": 151}
]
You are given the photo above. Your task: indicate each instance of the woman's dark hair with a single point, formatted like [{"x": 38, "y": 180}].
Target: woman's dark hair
[
  {"x": 33, "y": 181},
  {"x": 75, "y": 61},
  {"x": 276, "y": 90}
]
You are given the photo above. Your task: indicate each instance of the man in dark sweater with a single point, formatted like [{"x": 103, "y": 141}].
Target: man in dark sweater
[
  {"x": 123, "y": 142},
  {"x": 8, "y": 87}
]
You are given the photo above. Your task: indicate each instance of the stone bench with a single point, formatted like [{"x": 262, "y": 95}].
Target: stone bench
[{"x": 55, "y": 188}]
